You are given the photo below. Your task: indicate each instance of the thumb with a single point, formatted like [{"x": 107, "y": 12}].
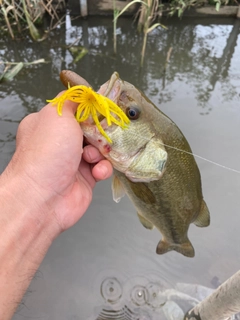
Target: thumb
[{"x": 66, "y": 108}]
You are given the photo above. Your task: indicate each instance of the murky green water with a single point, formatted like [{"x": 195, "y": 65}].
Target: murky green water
[{"x": 108, "y": 257}]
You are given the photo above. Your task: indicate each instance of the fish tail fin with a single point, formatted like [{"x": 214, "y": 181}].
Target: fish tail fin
[
  {"x": 203, "y": 218},
  {"x": 185, "y": 248}
]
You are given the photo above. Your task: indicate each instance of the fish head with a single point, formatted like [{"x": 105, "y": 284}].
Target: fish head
[{"x": 136, "y": 151}]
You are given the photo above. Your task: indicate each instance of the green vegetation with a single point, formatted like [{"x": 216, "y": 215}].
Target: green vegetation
[
  {"x": 151, "y": 11},
  {"x": 78, "y": 52},
  {"x": 11, "y": 69},
  {"x": 8, "y": 75},
  {"x": 19, "y": 15},
  {"x": 179, "y": 6},
  {"x": 147, "y": 15}
]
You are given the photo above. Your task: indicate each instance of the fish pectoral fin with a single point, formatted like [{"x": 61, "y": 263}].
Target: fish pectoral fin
[
  {"x": 150, "y": 163},
  {"x": 203, "y": 218},
  {"x": 147, "y": 224},
  {"x": 117, "y": 189},
  {"x": 185, "y": 248},
  {"x": 143, "y": 192}
]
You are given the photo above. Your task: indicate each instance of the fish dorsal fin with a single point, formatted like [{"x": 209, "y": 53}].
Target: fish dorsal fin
[
  {"x": 203, "y": 218},
  {"x": 147, "y": 224},
  {"x": 117, "y": 189}
]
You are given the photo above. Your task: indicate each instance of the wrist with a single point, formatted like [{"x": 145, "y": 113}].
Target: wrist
[
  {"x": 24, "y": 207},
  {"x": 26, "y": 234}
]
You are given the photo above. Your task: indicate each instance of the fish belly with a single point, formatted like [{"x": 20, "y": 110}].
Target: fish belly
[{"x": 155, "y": 209}]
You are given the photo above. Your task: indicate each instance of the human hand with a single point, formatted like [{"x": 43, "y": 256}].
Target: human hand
[
  {"x": 45, "y": 189},
  {"x": 55, "y": 173}
]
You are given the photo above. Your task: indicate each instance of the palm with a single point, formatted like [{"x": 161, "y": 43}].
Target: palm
[{"x": 57, "y": 169}]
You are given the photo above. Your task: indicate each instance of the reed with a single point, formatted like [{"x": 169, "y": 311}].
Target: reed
[
  {"x": 19, "y": 15},
  {"x": 149, "y": 11},
  {"x": 115, "y": 15},
  {"x": 5, "y": 12},
  {"x": 8, "y": 70},
  {"x": 152, "y": 10}
]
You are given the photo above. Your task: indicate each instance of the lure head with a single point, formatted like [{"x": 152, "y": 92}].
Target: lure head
[{"x": 136, "y": 151}]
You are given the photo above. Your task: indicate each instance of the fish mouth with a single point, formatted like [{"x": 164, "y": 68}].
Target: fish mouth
[{"x": 111, "y": 90}]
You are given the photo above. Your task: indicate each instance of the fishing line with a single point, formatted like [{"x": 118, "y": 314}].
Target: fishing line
[{"x": 197, "y": 156}]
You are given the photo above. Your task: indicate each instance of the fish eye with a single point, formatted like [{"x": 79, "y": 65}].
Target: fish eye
[{"x": 133, "y": 113}]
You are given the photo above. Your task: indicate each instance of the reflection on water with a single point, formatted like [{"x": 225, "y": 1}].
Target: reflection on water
[
  {"x": 202, "y": 78},
  {"x": 202, "y": 57},
  {"x": 138, "y": 297}
]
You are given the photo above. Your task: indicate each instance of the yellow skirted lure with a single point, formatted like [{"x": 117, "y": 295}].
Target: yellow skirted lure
[{"x": 94, "y": 104}]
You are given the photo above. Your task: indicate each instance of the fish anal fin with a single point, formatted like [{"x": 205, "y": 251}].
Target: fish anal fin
[
  {"x": 147, "y": 224},
  {"x": 203, "y": 218},
  {"x": 185, "y": 248},
  {"x": 117, "y": 189}
]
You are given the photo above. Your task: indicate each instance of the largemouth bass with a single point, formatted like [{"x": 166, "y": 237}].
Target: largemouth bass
[{"x": 162, "y": 181}]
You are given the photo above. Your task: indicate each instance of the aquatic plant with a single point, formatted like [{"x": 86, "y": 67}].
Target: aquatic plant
[
  {"x": 5, "y": 14},
  {"x": 27, "y": 13},
  {"x": 78, "y": 52},
  {"x": 115, "y": 15},
  {"x": 150, "y": 10},
  {"x": 179, "y": 6},
  {"x": 33, "y": 30},
  {"x": 11, "y": 69},
  {"x": 148, "y": 13},
  {"x": 8, "y": 75},
  {"x": 91, "y": 103}
]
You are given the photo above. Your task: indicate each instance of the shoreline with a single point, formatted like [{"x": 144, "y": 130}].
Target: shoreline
[{"x": 86, "y": 8}]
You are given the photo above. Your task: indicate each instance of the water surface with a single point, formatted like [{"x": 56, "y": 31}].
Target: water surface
[{"x": 107, "y": 259}]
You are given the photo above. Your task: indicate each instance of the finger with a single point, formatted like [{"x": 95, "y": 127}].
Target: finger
[
  {"x": 92, "y": 154},
  {"x": 102, "y": 170},
  {"x": 26, "y": 127},
  {"x": 71, "y": 78},
  {"x": 69, "y": 107},
  {"x": 28, "y": 122},
  {"x": 86, "y": 172}
]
